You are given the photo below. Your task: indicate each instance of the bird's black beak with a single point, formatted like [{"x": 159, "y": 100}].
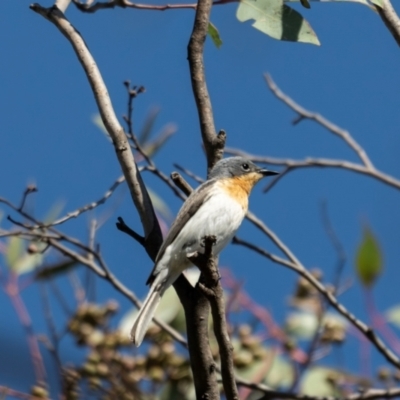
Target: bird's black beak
[{"x": 267, "y": 172}]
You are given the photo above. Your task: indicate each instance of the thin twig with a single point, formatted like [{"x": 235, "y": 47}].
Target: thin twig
[
  {"x": 341, "y": 254},
  {"x": 55, "y": 339},
  {"x": 189, "y": 173},
  {"x": 297, "y": 266},
  {"x": 363, "y": 395},
  {"x": 305, "y": 114},
  {"x": 91, "y": 206},
  {"x": 309, "y": 162},
  {"x": 30, "y": 189}
]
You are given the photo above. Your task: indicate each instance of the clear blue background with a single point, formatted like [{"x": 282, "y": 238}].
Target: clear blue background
[{"x": 48, "y": 137}]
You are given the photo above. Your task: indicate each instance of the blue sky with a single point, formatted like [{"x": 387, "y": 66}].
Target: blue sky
[{"x": 48, "y": 137}]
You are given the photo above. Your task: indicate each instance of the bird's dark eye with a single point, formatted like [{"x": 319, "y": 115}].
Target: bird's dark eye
[{"x": 245, "y": 166}]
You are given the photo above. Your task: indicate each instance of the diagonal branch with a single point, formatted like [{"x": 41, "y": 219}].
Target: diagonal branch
[
  {"x": 305, "y": 114},
  {"x": 390, "y": 18},
  {"x": 293, "y": 263},
  {"x": 140, "y": 197},
  {"x": 90, "y": 206},
  {"x": 309, "y": 162}
]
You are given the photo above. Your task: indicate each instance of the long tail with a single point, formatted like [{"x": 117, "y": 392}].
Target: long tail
[{"x": 148, "y": 308}]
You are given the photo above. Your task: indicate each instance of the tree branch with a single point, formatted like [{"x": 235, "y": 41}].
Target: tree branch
[
  {"x": 390, "y": 19},
  {"x": 210, "y": 286},
  {"x": 213, "y": 144},
  {"x": 140, "y": 197},
  {"x": 305, "y": 114},
  {"x": 294, "y": 264}
]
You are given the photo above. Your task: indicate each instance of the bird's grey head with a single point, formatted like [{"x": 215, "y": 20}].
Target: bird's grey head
[{"x": 237, "y": 166}]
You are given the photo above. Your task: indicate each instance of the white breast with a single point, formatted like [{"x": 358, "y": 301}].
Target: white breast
[{"x": 220, "y": 216}]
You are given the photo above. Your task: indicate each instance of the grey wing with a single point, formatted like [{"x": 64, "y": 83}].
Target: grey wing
[{"x": 189, "y": 208}]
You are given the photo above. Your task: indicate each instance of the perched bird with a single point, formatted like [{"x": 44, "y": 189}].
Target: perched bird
[{"x": 217, "y": 207}]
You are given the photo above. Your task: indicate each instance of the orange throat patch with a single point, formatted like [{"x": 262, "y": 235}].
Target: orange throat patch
[{"x": 239, "y": 187}]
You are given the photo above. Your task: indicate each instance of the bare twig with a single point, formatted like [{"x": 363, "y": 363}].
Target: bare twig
[
  {"x": 30, "y": 189},
  {"x": 55, "y": 339},
  {"x": 91, "y": 206},
  {"x": 305, "y": 114},
  {"x": 211, "y": 287},
  {"x": 154, "y": 170},
  {"x": 362, "y": 395},
  {"x": 341, "y": 254},
  {"x": 294, "y": 264},
  {"x": 390, "y": 18},
  {"x": 100, "y": 268},
  {"x": 309, "y": 162},
  {"x": 181, "y": 183},
  {"x": 91, "y": 8},
  {"x": 190, "y": 174}
]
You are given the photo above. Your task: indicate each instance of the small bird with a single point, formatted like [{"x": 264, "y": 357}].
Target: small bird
[{"x": 217, "y": 207}]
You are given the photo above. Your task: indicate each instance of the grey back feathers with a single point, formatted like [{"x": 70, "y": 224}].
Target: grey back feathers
[{"x": 232, "y": 166}]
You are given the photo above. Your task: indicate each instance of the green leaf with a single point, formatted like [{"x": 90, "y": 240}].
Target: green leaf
[
  {"x": 55, "y": 269},
  {"x": 19, "y": 260},
  {"x": 214, "y": 35},
  {"x": 14, "y": 251},
  {"x": 159, "y": 205},
  {"x": 54, "y": 212},
  {"x": 369, "y": 260},
  {"x": 96, "y": 119},
  {"x": 148, "y": 126},
  {"x": 152, "y": 148},
  {"x": 277, "y": 20}
]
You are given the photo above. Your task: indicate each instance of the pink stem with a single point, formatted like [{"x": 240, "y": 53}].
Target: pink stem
[{"x": 13, "y": 292}]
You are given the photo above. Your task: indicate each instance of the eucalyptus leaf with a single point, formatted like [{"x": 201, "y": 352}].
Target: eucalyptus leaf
[
  {"x": 19, "y": 260},
  {"x": 148, "y": 125},
  {"x": 214, "y": 35},
  {"x": 369, "y": 260},
  {"x": 55, "y": 269},
  {"x": 96, "y": 119},
  {"x": 277, "y": 20},
  {"x": 54, "y": 212},
  {"x": 159, "y": 205}
]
